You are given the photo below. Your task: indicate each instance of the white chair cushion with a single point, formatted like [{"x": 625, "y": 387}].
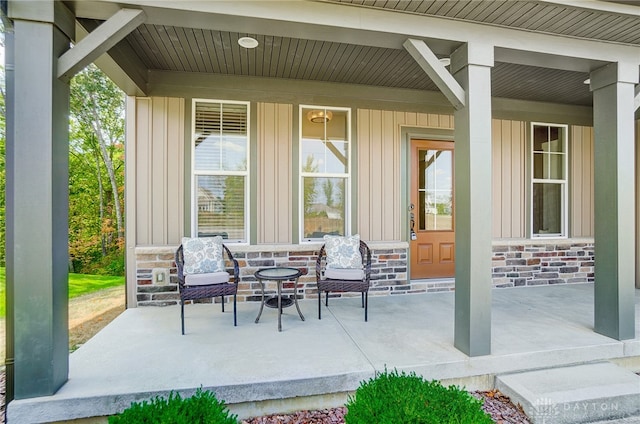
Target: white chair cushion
[
  {"x": 343, "y": 252},
  {"x": 344, "y": 273},
  {"x": 202, "y": 255},
  {"x": 207, "y": 278}
]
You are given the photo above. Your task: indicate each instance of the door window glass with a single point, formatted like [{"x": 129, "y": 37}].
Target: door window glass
[{"x": 435, "y": 190}]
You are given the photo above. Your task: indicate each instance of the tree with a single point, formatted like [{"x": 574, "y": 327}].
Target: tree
[
  {"x": 341, "y": 195},
  {"x": 96, "y": 159},
  {"x": 3, "y": 139},
  {"x": 2, "y": 169},
  {"x": 95, "y": 167},
  {"x": 309, "y": 184},
  {"x": 327, "y": 188}
]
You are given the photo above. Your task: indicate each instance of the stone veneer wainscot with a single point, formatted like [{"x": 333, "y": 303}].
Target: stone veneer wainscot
[
  {"x": 543, "y": 261},
  {"x": 515, "y": 263}
]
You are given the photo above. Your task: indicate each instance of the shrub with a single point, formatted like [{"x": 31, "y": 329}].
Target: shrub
[
  {"x": 201, "y": 408},
  {"x": 115, "y": 264},
  {"x": 111, "y": 264},
  {"x": 392, "y": 398}
]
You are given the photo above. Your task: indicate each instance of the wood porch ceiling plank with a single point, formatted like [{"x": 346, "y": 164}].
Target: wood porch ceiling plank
[
  {"x": 193, "y": 49},
  {"x": 141, "y": 45},
  {"x": 290, "y": 58},
  {"x": 183, "y": 55},
  {"x": 170, "y": 54},
  {"x": 203, "y": 48}
]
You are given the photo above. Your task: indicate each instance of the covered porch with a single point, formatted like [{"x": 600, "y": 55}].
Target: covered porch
[
  {"x": 382, "y": 63},
  {"x": 316, "y": 363}
]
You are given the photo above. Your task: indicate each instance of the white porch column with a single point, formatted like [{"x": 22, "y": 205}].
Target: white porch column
[
  {"x": 613, "y": 110},
  {"x": 471, "y": 66},
  {"x": 37, "y": 199}
]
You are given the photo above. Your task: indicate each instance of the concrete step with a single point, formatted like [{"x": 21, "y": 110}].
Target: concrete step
[
  {"x": 628, "y": 420},
  {"x": 575, "y": 394}
]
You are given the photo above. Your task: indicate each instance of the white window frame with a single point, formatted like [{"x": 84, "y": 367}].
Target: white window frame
[
  {"x": 564, "y": 183},
  {"x": 301, "y": 175},
  {"x": 195, "y": 174}
]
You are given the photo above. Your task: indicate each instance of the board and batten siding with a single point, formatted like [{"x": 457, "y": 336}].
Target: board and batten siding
[
  {"x": 581, "y": 192},
  {"x": 275, "y": 178},
  {"x": 379, "y": 174},
  {"x": 157, "y": 167},
  {"x": 509, "y": 183}
]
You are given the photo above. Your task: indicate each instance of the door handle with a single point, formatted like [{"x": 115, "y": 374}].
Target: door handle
[{"x": 412, "y": 223}]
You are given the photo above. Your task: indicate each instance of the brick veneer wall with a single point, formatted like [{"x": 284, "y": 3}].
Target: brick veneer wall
[{"x": 521, "y": 263}]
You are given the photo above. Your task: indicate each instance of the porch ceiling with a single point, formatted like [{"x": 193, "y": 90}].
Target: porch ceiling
[
  {"x": 188, "y": 45},
  {"x": 581, "y": 19}
]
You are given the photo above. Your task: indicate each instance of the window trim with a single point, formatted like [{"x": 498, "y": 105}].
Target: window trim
[
  {"x": 195, "y": 174},
  {"x": 564, "y": 183},
  {"x": 347, "y": 175}
]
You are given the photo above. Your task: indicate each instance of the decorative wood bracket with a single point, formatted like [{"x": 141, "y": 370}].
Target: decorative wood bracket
[
  {"x": 99, "y": 41},
  {"x": 436, "y": 71}
]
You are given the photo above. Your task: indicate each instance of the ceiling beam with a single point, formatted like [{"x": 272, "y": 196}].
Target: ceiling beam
[
  {"x": 98, "y": 42},
  {"x": 430, "y": 63}
]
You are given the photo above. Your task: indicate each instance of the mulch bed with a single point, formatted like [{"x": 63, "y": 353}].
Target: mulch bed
[
  {"x": 497, "y": 405},
  {"x": 501, "y": 409}
]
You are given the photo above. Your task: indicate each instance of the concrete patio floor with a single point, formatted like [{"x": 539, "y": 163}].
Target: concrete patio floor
[{"x": 316, "y": 363}]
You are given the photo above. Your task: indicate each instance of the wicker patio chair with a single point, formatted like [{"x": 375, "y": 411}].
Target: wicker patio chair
[
  {"x": 344, "y": 280},
  {"x": 205, "y": 286}
]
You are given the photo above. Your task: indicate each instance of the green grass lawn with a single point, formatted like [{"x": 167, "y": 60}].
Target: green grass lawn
[{"x": 79, "y": 284}]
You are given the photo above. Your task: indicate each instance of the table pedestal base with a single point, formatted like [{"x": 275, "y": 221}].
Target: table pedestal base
[{"x": 279, "y": 275}]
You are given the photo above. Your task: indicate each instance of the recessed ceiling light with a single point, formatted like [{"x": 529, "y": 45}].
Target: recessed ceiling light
[
  {"x": 587, "y": 81},
  {"x": 445, "y": 61},
  {"x": 248, "y": 42}
]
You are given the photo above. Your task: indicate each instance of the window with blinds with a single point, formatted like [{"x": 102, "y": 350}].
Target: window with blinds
[{"x": 220, "y": 166}]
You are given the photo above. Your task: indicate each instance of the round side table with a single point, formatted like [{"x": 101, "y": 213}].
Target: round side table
[{"x": 279, "y": 274}]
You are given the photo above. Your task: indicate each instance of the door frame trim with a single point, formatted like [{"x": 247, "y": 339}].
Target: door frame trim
[
  {"x": 407, "y": 133},
  {"x": 433, "y": 237}
]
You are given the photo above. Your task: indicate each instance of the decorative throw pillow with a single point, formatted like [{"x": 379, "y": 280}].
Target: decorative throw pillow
[
  {"x": 343, "y": 252},
  {"x": 202, "y": 255}
]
